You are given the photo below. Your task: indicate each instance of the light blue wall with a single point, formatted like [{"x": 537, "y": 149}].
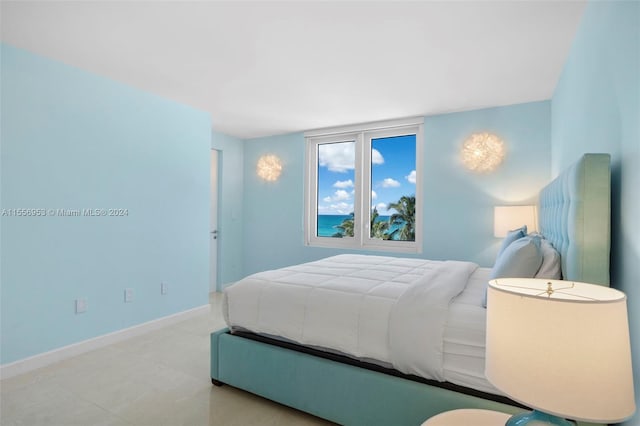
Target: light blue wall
[
  {"x": 73, "y": 140},
  {"x": 273, "y": 211},
  {"x": 230, "y": 208},
  {"x": 596, "y": 108},
  {"x": 458, "y": 204}
]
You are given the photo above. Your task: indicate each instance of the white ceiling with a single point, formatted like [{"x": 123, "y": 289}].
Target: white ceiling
[{"x": 265, "y": 68}]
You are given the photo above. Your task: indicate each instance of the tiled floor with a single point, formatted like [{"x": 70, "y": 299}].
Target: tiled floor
[{"x": 160, "y": 378}]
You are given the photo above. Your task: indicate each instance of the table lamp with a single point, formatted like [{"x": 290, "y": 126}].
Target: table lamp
[
  {"x": 561, "y": 348},
  {"x": 506, "y": 218}
]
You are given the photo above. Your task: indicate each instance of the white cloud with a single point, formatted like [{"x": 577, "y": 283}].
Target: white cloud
[
  {"x": 382, "y": 208},
  {"x": 342, "y": 208},
  {"x": 340, "y": 195},
  {"x": 411, "y": 177},
  {"x": 374, "y": 195},
  {"x": 376, "y": 157},
  {"x": 390, "y": 183},
  {"x": 340, "y": 202},
  {"x": 336, "y": 208},
  {"x": 337, "y": 157},
  {"x": 343, "y": 184}
]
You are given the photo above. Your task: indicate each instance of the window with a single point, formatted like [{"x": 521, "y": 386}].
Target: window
[{"x": 363, "y": 186}]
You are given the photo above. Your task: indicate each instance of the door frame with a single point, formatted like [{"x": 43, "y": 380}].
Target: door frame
[{"x": 214, "y": 221}]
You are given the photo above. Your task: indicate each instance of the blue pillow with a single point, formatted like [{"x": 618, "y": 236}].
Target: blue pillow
[
  {"x": 521, "y": 259},
  {"x": 512, "y": 236}
]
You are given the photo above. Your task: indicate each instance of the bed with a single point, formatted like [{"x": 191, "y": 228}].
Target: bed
[{"x": 358, "y": 381}]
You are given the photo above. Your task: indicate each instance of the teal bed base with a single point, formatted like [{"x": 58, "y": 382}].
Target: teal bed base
[
  {"x": 574, "y": 213},
  {"x": 341, "y": 393}
]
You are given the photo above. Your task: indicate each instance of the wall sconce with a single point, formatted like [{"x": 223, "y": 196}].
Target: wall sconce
[
  {"x": 269, "y": 167},
  {"x": 482, "y": 152},
  {"x": 507, "y": 218}
]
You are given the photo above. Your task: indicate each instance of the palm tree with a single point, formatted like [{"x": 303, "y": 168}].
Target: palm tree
[
  {"x": 378, "y": 229},
  {"x": 346, "y": 227},
  {"x": 405, "y": 217}
]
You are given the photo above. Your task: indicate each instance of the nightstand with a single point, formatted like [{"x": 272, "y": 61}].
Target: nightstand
[{"x": 466, "y": 417}]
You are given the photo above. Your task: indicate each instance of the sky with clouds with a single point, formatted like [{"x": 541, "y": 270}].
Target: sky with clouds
[{"x": 393, "y": 174}]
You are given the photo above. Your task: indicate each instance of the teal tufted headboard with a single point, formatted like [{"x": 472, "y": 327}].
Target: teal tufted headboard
[{"x": 574, "y": 215}]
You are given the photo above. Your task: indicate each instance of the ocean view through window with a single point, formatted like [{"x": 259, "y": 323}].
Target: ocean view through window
[
  {"x": 329, "y": 224},
  {"x": 362, "y": 187}
]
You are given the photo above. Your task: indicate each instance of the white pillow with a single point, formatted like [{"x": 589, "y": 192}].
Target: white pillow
[{"x": 551, "y": 267}]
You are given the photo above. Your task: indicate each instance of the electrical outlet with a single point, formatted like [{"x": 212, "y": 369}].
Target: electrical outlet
[
  {"x": 128, "y": 295},
  {"x": 81, "y": 305},
  {"x": 164, "y": 288}
]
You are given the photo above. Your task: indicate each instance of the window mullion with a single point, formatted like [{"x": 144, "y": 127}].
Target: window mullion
[
  {"x": 311, "y": 204},
  {"x": 358, "y": 192},
  {"x": 366, "y": 188}
]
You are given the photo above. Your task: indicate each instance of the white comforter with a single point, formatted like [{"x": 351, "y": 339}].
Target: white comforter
[{"x": 383, "y": 308}]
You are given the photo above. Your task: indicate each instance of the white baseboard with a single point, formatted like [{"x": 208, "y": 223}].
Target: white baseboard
[{"x": 46, "y": 358}]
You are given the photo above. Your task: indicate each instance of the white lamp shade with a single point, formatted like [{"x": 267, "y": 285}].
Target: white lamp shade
[
  {"x": 507, "y": 218},
  {"x": 567, "y": 354}
]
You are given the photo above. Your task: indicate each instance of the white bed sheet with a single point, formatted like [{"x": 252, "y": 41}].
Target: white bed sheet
[{"x": 465, "y": 334}]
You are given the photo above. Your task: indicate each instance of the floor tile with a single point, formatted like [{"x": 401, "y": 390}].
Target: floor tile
[{"x": 160, "y": 378}]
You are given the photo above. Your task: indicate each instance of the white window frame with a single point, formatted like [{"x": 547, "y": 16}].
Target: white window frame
[{"x": 362, "y": 135}]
